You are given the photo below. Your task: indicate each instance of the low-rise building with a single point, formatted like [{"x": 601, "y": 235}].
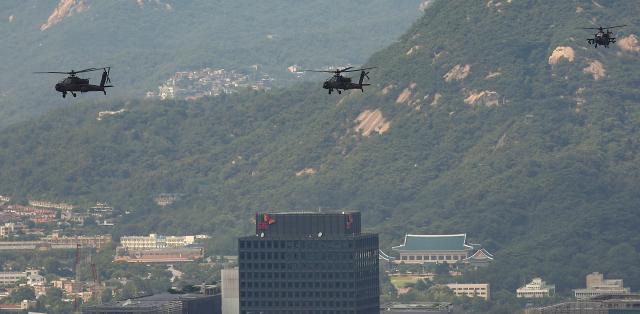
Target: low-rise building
[
  {"x": 161, "y": 303},
  {"x": 156, "y": 241},
  {"x": 48, "y": 204},
  {"x": 11, "y": 228},
  {"x": 536, "y": 289},
  {"x": 97, "y": 242},
  {"x": 416, "y": 308},
  {"x": 230, "y": 291},
  {"x": 165, "y": 255},
  {"x": 29, "y": 276},
  {"x": 472, "y": 290},
  {"x": 419, "y": 249},
  {"x": 603, "y": 304},
  {"x": 69, "y": 286},
  {"x": 597, "y": 285}
]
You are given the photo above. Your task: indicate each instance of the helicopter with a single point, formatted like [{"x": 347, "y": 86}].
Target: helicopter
[
  {"x": 73, "y": 84},
  {"x": 339, "y": 82},
  {"x": 603, "y": 37}
]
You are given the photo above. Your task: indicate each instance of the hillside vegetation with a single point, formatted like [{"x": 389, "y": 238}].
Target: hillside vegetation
[
  {"x": 530, "y": 149},
  {"x": 148, "y": 41}
]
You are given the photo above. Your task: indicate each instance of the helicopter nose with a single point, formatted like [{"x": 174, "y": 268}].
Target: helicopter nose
[
  {"x": 59, "y": 87},
  {"x": 325, "y": 85}
]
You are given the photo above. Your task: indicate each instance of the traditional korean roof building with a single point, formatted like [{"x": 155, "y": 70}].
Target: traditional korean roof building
[
  {"x": 419, "y": 249},
  {"x": 481, "y": 258}
]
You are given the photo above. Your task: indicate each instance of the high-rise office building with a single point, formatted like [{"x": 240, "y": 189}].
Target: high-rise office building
[{"x": 309, "y": 263}]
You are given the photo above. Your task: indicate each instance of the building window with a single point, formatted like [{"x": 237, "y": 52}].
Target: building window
[
  {"x": 404, "y": 257},
  {"x": 411, "y": 258}
]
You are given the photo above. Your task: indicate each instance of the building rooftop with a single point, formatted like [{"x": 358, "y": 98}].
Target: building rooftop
[
  {"x": 446, "y": 242},
  {"x": 308, "y": 224},
  {"x": 153, "y": 300}
]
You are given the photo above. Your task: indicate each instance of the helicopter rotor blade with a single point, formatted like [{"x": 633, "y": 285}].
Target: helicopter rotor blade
[
  {"x": 617, "y": 26},
  {"x": 87, "y": 70},
  {"x": 52, "y": 72},
  {"x": 362, "y": 69},
  {"x": 320, "y": 71}
]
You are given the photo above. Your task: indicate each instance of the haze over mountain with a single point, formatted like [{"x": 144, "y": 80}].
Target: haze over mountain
[
  {"x": 146, "y": 41},
  {"x": 492, "y": 118}
]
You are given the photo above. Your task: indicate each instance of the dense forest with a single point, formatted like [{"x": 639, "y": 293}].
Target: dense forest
[{"x": 527, "y": 141}]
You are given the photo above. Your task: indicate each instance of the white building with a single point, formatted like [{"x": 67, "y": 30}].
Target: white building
[
  {"x": 156, "y": 241},
  {"x": 230, "y": 291},
  {"x": 472, "y": 290},
  {"x": 597, "y": 285},
  {"x": 537, "y": 288},
  {"x": 30, "y": 276}
]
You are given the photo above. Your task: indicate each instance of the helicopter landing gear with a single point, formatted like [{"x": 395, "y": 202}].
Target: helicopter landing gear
[
  {"x": 74, "y": 94},
  {"x": 339, "y": 92},
  {"x": 330, "y": 91},
  {"x": 64, "y": 94}
]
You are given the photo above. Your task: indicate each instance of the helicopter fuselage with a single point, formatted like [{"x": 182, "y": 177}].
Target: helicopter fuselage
[
  {"x": 73, "y": 84},
  {"x": 603, "y": 37},
  {"x": 339, "y": 82}
]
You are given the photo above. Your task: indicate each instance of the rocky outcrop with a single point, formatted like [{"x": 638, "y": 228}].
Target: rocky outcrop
[
  {"x": 306, "y": 172},
  {"x": 371, "y": 121},
  {"x": 457, "y": 73},
  {"x": 486, "y": 98},
  {"x": 65, "y": 9},
  {"x": 560, "y": 53},
  {"x": 596, "y": 69},
  {"x": 628, "y": 43}
]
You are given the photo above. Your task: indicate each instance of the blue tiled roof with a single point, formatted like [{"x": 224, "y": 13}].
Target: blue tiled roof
[{"x": 449, "y": 242}]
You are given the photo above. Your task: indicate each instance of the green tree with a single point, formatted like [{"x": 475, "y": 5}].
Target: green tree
[
  {"x": 106, "y": 296},
  {"x": 21, "y": 293}
]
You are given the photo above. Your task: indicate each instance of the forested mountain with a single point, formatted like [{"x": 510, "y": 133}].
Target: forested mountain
[
  {"x": 146, "y": 41},
  {"x": 492, "y": 118}
]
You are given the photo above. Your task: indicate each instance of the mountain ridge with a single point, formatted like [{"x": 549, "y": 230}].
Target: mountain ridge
[{"x": 537, "y": 163}]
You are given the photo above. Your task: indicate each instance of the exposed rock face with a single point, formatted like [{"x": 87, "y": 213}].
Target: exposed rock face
[
  {"x": 436, "y": 99},
  {"x": 65, "y": 9},
  {"x": 404, "y": 96},
  {"x": 596, "y": 69},
  {"x": 306, "y": 172},
  {"x": 628, "y": 43},
  {"x": 425, "y": 5},
  {"x": 104, "y": 114},
  {"x": 371, "y": 121},
  {"x": 486, "y": 98},
  {"x": 560, "y": 53},
  {"x": 457, "y": 73},
  {"x": 157, "y": 3},
  {"x": 387, "y": 89},
  {"x": 413, "y": 50},
  {"x": 492, "y": 75}
]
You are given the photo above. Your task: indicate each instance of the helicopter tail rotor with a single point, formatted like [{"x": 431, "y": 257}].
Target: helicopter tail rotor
[{"x": 105, "y": 77}]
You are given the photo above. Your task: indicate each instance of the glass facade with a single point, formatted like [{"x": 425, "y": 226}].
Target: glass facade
[{"x": 309, "y": 272}]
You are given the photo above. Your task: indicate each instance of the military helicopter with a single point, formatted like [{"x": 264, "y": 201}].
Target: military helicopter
[
  {"x": 339, "y": 82},
  {"x": 603, "y": 37},
  {"x": 74, "y": 84}
]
